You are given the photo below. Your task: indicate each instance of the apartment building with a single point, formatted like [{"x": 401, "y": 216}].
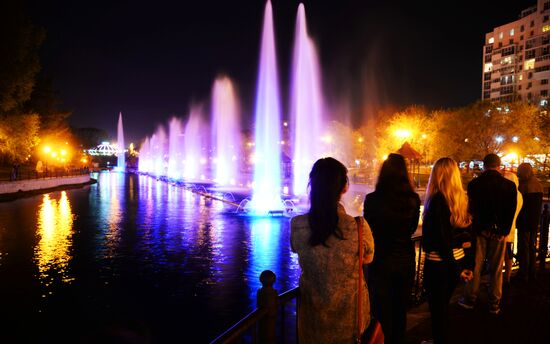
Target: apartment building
[{"x": 516, "y": 58}]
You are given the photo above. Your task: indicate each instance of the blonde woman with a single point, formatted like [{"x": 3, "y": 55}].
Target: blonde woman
[{"x": 445, "y": 234}]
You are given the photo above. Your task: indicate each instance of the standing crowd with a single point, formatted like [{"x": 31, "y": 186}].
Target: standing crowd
[{"x": 358, "y": 272}]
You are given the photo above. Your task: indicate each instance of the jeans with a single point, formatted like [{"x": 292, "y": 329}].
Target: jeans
[
  {"x": 493, "y": 252},
  {"x": 527, "y": 253},
  {"x": 440, "y": 281},
  {"x": 390, "y": 288}
]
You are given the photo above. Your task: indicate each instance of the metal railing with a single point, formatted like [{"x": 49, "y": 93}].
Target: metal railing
[
  {"x": 261, "y": 324},
  {"x": 29, "y": 174}
]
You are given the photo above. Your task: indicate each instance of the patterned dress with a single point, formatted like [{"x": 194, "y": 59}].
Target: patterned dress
[{"x": 327, "y": 310}]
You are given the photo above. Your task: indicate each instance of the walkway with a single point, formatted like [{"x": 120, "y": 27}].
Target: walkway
[{"x": 524, "y": 317}]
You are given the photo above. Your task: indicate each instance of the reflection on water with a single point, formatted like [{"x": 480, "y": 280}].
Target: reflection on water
[
  {"x": 264, "y": 249},
  {"x": 140, "y": 250},
  {"x": 55, "y": 228}
]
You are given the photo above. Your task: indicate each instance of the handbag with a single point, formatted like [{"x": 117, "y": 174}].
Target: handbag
[{"x": 373, "y": 334}]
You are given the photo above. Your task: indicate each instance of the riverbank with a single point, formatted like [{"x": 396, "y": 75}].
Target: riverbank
[{"x": 12, "y": 190}]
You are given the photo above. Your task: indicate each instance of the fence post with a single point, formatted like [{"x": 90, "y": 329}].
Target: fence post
[
  {"x": 267, "y": 297},
  {"x": 543, "y": 242}
]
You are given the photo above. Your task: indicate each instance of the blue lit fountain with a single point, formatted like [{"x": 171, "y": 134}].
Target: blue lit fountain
[
  {"x": 266, "y": 196},
  {"x": 121, "y": 159}
]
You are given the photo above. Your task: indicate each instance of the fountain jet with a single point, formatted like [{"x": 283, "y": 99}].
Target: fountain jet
[
  {"x": 121, "y": 160},
  {"x": 306, "y": 105},
  {"x": 175, "y": 149},
  {"x": 266, "y": 194},
  {"x": 225, "y": 131},
  {"x": 194, "y": 158}
]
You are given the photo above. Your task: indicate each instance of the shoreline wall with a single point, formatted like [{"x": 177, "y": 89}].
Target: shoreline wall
[{"x": 41, "y": 184}]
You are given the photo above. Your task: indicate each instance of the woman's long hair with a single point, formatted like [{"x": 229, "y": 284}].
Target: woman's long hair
[
  {"x": 445, "y": 178},
  {"x": 393, "y": 177},
  {"x": 327, "y": 180}
]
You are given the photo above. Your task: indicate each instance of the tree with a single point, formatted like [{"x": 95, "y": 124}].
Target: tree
[
  {"x": 45, "y": 102},
  {"x": 19, "y": 58},
  {"x": 483, "y": 127},
  {"x": 414, "y": 125},
  {"x": 18, "y": 136},
  {"x": 19, "y": 65}
]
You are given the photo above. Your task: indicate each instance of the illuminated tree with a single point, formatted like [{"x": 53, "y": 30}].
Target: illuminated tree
[
  {"x": 18, "y": 136},
  {"x": 413, "y": 125},
  {"x": 483, "y": 127}
]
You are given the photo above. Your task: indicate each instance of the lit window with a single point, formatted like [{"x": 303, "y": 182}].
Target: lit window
[
  {"x": 529, "y": 64},
  {"x": 488, "y": 67},
  {"x": 546, "y": 28},
  {"x": 501, "y": 35},
  {"x": 491, "y": 40},
  {"x": 511, "y": 32}
]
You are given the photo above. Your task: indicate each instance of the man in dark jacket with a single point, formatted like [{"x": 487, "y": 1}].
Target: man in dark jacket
[{"x": 492, "y": 205}]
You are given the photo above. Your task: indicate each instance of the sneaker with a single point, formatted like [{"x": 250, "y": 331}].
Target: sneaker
[
  {"x": 465, "y": 304},
  {"x": 494, "y": 309}
]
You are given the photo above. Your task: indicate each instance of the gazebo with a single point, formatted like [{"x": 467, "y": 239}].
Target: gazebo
[{"x": 413, "y": 157}]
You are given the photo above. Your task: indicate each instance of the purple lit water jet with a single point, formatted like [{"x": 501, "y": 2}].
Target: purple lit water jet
[
  {"x": 195, "y": 161},
  {"x": 267, "y": 156},
  {"x": 306, "y": 107},
  {"x": 175, "y": 149},
  {"x": 225, "y": 131},
  {"x": 121, "y": 160}
]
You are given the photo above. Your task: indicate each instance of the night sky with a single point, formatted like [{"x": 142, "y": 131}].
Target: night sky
[{"x": 152, "y": 60}]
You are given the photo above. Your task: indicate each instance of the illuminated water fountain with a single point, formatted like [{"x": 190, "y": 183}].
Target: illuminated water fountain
[
  {"x": 306, "y": 105},
  {"x": 266, "y": 195},
  {"x": 121, "y": 161},
  {"x": 175, "y": 149},
  {"x": 193, "y": 143},
  {"x": 225, "y": 132},
  {"x": 185, "y": 157}
]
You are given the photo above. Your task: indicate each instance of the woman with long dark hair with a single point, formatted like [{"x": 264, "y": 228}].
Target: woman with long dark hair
[
  {"x": 392, "y": 211},
  {"x": 445, "y": 234},
  {"x": 326, "y": 241}
]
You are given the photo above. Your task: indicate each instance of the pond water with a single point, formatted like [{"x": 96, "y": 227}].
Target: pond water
[{"x": 133, "y": 256}]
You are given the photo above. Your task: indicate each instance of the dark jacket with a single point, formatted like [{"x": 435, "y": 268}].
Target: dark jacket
[
  {"x": 493, "y": 201},
  {"x": 529, "y": 215},
  {"x": 438, "y": 235},
  {"x": 393, "y": 218}
]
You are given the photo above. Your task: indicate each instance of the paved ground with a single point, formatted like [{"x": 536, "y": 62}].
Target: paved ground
[{"x": 524, "y": 317}]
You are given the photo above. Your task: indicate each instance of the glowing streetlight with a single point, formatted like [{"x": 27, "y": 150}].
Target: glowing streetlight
[
  {"x": 499, "y": 139},
  {"x": 402, "y": 133}
]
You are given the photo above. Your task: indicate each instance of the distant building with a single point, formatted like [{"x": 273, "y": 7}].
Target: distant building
[{"x": 516, "y": 58}]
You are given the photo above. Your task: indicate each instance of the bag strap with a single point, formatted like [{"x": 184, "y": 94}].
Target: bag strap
[{"x": 360, "y": 279}]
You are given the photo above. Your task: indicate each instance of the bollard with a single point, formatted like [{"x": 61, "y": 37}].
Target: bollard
[
  {"x": 543, "y": 241},
  {"x": 267, "y": 297}
]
